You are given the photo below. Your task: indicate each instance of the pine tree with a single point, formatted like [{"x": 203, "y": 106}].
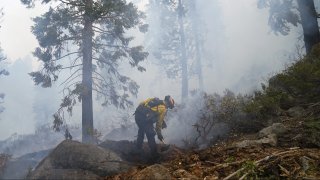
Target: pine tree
[
  {"x": 163, "y": 36},
  {"x": 309, "y": 23},
  {"x": 196, "y": 32},
  {"x": 183, "y": 56},
  {"x": 174, "y": 40},
  {"x": 90, "y": 35},
  {"x": 284, "y": 13}
]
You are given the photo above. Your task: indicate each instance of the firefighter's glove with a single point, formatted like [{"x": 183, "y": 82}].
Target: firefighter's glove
[{"x": 160, "y": 137}]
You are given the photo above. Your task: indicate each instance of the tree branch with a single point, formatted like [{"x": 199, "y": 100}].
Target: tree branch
[
  {"x": 70, "y": 67},
  {"x": 66, "y": 55},
  {"x": 71, "y": 76},
  {"x": 98, "y": 86},
  {"x": 99, "y": 92},
  {"x": 72, "y": 3},
  {"x": 100, "y": 76},
  {"x": 102, "y": 80},
  {"x": 75, "y": 60},
  {"x": 115, "y": 46},
  {"x": 101, "y": 30},
  {"x": 67, "y": 87}
]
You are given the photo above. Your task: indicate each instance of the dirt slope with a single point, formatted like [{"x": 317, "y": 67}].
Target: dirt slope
[{"x": 290, "y": 158}]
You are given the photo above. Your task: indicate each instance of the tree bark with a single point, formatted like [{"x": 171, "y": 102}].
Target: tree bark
[
  {"x": 184, "y": 65},
  {"x": 87, "y": 109},
  {"x": 309, "y": 23}
]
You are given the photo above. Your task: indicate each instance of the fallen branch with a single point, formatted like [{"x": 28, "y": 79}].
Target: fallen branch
[
  {"x": 233, "y": 174},
  {"x": 210, "y": 162},
  {"x": 224, "y": 164},
  {"x": 243, "y": 176},
  {"x": 287, "y": 173},
  {"x": 261, "y": 160}
]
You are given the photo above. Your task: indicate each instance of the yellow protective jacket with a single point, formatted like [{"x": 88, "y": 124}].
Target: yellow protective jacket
[{"x": 160, "y": 110}]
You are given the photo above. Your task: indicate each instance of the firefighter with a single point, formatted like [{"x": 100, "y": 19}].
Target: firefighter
[{"x": 150, "y": 111}]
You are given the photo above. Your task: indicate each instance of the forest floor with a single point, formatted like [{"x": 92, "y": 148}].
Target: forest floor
[{"x": 289, "y": 159}]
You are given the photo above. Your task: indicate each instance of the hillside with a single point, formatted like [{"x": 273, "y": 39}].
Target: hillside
[
  {"x": 273, "y": 134},
  {"x": 274, "y": 152},
  {"x": 239, "y": 157}
]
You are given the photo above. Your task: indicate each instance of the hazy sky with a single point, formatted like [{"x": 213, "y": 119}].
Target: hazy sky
[
  {"x": 248, "y": 52},
  {"x": 15, "y": 34}
]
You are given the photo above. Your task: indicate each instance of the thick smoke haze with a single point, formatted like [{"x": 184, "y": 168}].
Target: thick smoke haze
[
  {"x": 18, "y": 115},
  {"x": 239, "y": 52}
]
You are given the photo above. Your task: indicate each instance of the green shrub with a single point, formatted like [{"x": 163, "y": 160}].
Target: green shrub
[
  {"x": 297, "y": 85},
  {"x": 312, "y": 131}
]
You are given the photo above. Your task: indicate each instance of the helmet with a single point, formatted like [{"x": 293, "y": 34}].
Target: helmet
[{"x": 169, "y": 101}]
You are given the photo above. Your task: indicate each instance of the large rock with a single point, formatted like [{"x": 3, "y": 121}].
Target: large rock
[
  {"x": 153, "y": 172},
  {"x": 296, "y": 111},
  {"x": 124, "y": 147},
  {"x": 270, "y": 140},
  {"x": 267, "y": 136},
  {"x": 70, "y": 174},
  {"x": 276, "y": 128},
  {"x": 77, "y": 159},
  {"x": 128, "y": 151}
]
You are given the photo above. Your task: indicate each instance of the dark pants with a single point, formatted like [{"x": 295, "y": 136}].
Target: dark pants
[{"x": 146, "y": 127}]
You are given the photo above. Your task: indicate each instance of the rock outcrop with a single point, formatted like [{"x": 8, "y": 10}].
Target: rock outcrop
[
  {"x": 71, "y": 159},
  {"x": 267, "y": 136},
  {"x": 276, "y": 129}
]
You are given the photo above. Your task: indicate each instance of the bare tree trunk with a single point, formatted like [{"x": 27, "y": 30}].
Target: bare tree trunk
[
  {"x": 87, "y": 109},
  {"x": 195, "y": 29},
  {"x": 309, "y": 23},
  {"x": 184, "y": 65}
]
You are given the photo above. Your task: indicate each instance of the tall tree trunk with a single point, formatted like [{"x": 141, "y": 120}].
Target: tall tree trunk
[
  {"x": 87, "y": 109},
  {"x": 184, "y": 65},
  {"x": 195, "y": 20},
  {"x": 309, "y": 23}
]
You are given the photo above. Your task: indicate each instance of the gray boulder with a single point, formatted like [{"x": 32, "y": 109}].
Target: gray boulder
[
  {"x": 77, "y": 159},
  {"x": 72, "y": 174},
  {"x": 276, "y": 128},
  {"x": 267, "y": 136},
  {"x": 270, "y": 140},
  {"x": 296, "y": 111}
]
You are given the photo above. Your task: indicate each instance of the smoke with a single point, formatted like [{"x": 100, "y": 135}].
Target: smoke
[
  {"x": 18, "y": 115},
  {"x": 15, "y": 35},
  {"x": 180, "y": 123},
  {"x": 249, "y": 52},
  {"x": 239, "y": 51}
]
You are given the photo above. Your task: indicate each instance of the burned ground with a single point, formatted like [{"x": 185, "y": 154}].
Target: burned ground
[{"x": 290, "y": 158}]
